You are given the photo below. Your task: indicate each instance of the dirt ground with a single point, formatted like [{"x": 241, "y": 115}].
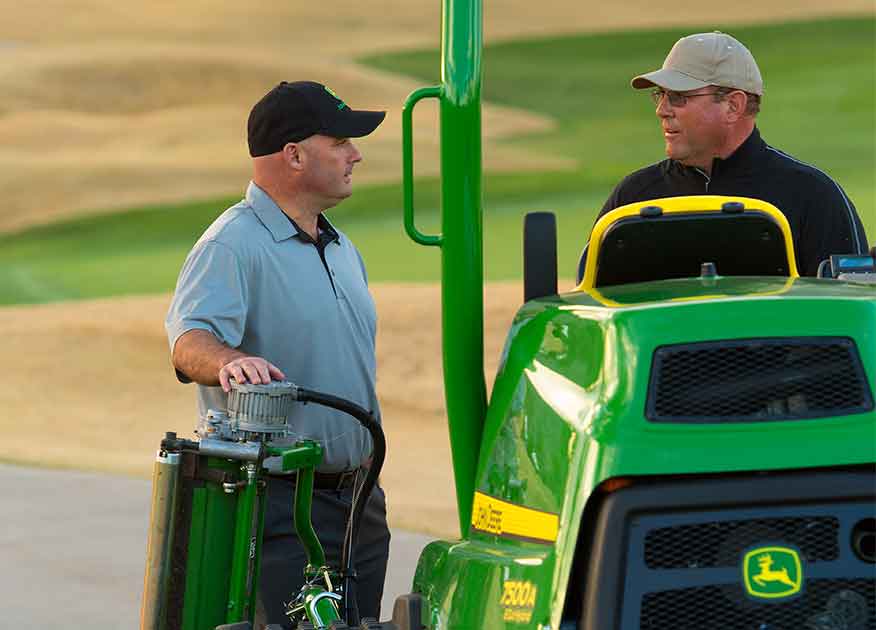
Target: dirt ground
[
  {"x": 89, "y": 386},
  {"x": 110, "y": 103}
]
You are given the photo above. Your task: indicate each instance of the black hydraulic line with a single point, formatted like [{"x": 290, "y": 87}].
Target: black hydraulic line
[{"x": 367, "y": 420}]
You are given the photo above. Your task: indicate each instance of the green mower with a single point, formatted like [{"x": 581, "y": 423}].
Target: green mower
[{"x": 686, "y": 440}]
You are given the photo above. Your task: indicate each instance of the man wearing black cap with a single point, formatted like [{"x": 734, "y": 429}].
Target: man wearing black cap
[
  {"x": 272, "y": 290},
  {"x": 707, "y": 94}
]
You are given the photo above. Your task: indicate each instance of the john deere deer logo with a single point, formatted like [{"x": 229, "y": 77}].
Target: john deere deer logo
[
  {"x": 772, "y": 572},
  {"x": 341, "y": 103}
]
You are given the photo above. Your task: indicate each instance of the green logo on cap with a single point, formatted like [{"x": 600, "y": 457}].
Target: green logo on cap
[
  {"x": 341, "y": 104},
  {"x": 772, "y": 572}
]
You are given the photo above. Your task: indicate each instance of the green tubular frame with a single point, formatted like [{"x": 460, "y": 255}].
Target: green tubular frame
[
  {"x": 321, "y": 607},
  {"x": 241, "y": 590},
  {"x": 304, "y": 458},
  {"x": 303, "y": 524},
  {"x": 461, "y": 235}
]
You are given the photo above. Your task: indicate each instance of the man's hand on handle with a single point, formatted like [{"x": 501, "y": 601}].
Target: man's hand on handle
[
  {"x": 248, "y": 369},
  {"x": 200, "y": 356}
]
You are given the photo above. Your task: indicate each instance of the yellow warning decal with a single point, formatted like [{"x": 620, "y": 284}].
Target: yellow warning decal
[
  {"x": 494, "y": 516},
  {"x": 518, "y": 600}
]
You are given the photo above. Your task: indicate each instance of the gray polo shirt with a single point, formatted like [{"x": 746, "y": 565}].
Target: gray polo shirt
[{"x": 262, "y": 288}]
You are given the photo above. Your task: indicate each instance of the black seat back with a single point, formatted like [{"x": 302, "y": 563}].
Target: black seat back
[{"x": 647, "y": 248}]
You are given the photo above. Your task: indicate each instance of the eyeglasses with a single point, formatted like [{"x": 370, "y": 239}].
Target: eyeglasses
[{"x": 676, "y": 99}]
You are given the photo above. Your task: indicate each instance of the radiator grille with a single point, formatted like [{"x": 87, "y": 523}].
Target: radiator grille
[
  {"x": 720, "y": 544},
  {"x": 749, "y": 380},
  {"x": 825, "y": 604}
]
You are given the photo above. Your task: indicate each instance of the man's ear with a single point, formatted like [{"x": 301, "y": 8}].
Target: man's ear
[
  {"x": 736, "y": 104},
  {"x": 293, "y": 156}
]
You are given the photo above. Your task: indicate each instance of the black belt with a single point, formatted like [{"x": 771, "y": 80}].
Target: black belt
[{"x": 324, "y": 481}]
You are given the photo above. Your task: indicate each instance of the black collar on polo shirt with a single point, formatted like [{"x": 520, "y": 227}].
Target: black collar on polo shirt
[{"x": 327, "y": 233}]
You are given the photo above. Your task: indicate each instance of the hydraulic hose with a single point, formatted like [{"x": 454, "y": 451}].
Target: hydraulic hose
[{"x": 367, "y": 420}]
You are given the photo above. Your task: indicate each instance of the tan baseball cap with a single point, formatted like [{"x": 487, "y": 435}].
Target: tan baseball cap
[{"x": 703, "y": 59}]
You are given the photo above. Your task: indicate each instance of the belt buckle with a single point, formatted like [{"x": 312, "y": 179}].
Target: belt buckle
[{"x": 343, "y": 478}]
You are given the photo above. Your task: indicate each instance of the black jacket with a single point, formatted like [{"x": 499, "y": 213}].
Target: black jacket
[{"x": 823, "y": 219}]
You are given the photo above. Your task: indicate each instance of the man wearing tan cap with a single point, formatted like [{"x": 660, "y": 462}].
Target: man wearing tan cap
[{"x": 708, "y": 94}]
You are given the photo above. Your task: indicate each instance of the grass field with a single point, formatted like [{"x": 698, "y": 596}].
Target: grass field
[
  {"x": 819, "y": 104},
  {"x": 819, "y": 100}
]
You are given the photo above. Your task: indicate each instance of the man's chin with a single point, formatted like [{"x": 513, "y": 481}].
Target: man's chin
[
  {"x": 673, "y": 153},
  {"x": 340, "y": 196}
]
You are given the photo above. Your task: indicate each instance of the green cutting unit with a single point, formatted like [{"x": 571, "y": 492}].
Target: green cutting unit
[
  {"x": 208, "y": 509},
  {"x": 685, "y": 441}
]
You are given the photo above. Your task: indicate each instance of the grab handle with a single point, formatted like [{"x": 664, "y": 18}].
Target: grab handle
[{"x": 408, "y": 165}]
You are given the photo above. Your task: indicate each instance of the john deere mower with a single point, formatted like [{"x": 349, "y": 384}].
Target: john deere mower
[{"x": 685, "y": 441}]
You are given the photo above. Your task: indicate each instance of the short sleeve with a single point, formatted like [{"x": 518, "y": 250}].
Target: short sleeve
[{"x": 211, "y": 295}]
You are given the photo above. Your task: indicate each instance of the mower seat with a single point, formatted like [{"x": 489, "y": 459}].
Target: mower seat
[{"x": 674, "y": 237}]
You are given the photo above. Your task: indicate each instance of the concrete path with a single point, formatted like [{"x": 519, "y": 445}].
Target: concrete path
[{"x": 73, "y": 546}]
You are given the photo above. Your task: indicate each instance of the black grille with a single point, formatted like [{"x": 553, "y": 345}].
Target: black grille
[
  {"x": 721, "y": 544},
  {"x": 631, "y": 581},
  {"x": 825, "y": 604},
  {"x": 748, "y": 380}
]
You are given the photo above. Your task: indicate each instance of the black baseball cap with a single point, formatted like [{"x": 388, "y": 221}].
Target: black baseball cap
[{"x": 291, "y": 112}]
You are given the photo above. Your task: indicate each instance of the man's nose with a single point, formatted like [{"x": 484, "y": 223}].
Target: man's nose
[
  {"x": 356, "y": 156},
  {"x": 664, "y": 109}
]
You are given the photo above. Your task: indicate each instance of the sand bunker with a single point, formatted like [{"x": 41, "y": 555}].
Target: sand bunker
[{"x": 90, "y": 387}]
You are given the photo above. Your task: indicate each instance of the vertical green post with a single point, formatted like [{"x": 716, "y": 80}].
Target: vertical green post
[
  {"x": 462, "y": 262},
  {"x": 461, "y": 240}
]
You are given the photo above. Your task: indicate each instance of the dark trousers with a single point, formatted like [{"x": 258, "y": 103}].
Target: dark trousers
[{"x": 283, "y": 559}]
